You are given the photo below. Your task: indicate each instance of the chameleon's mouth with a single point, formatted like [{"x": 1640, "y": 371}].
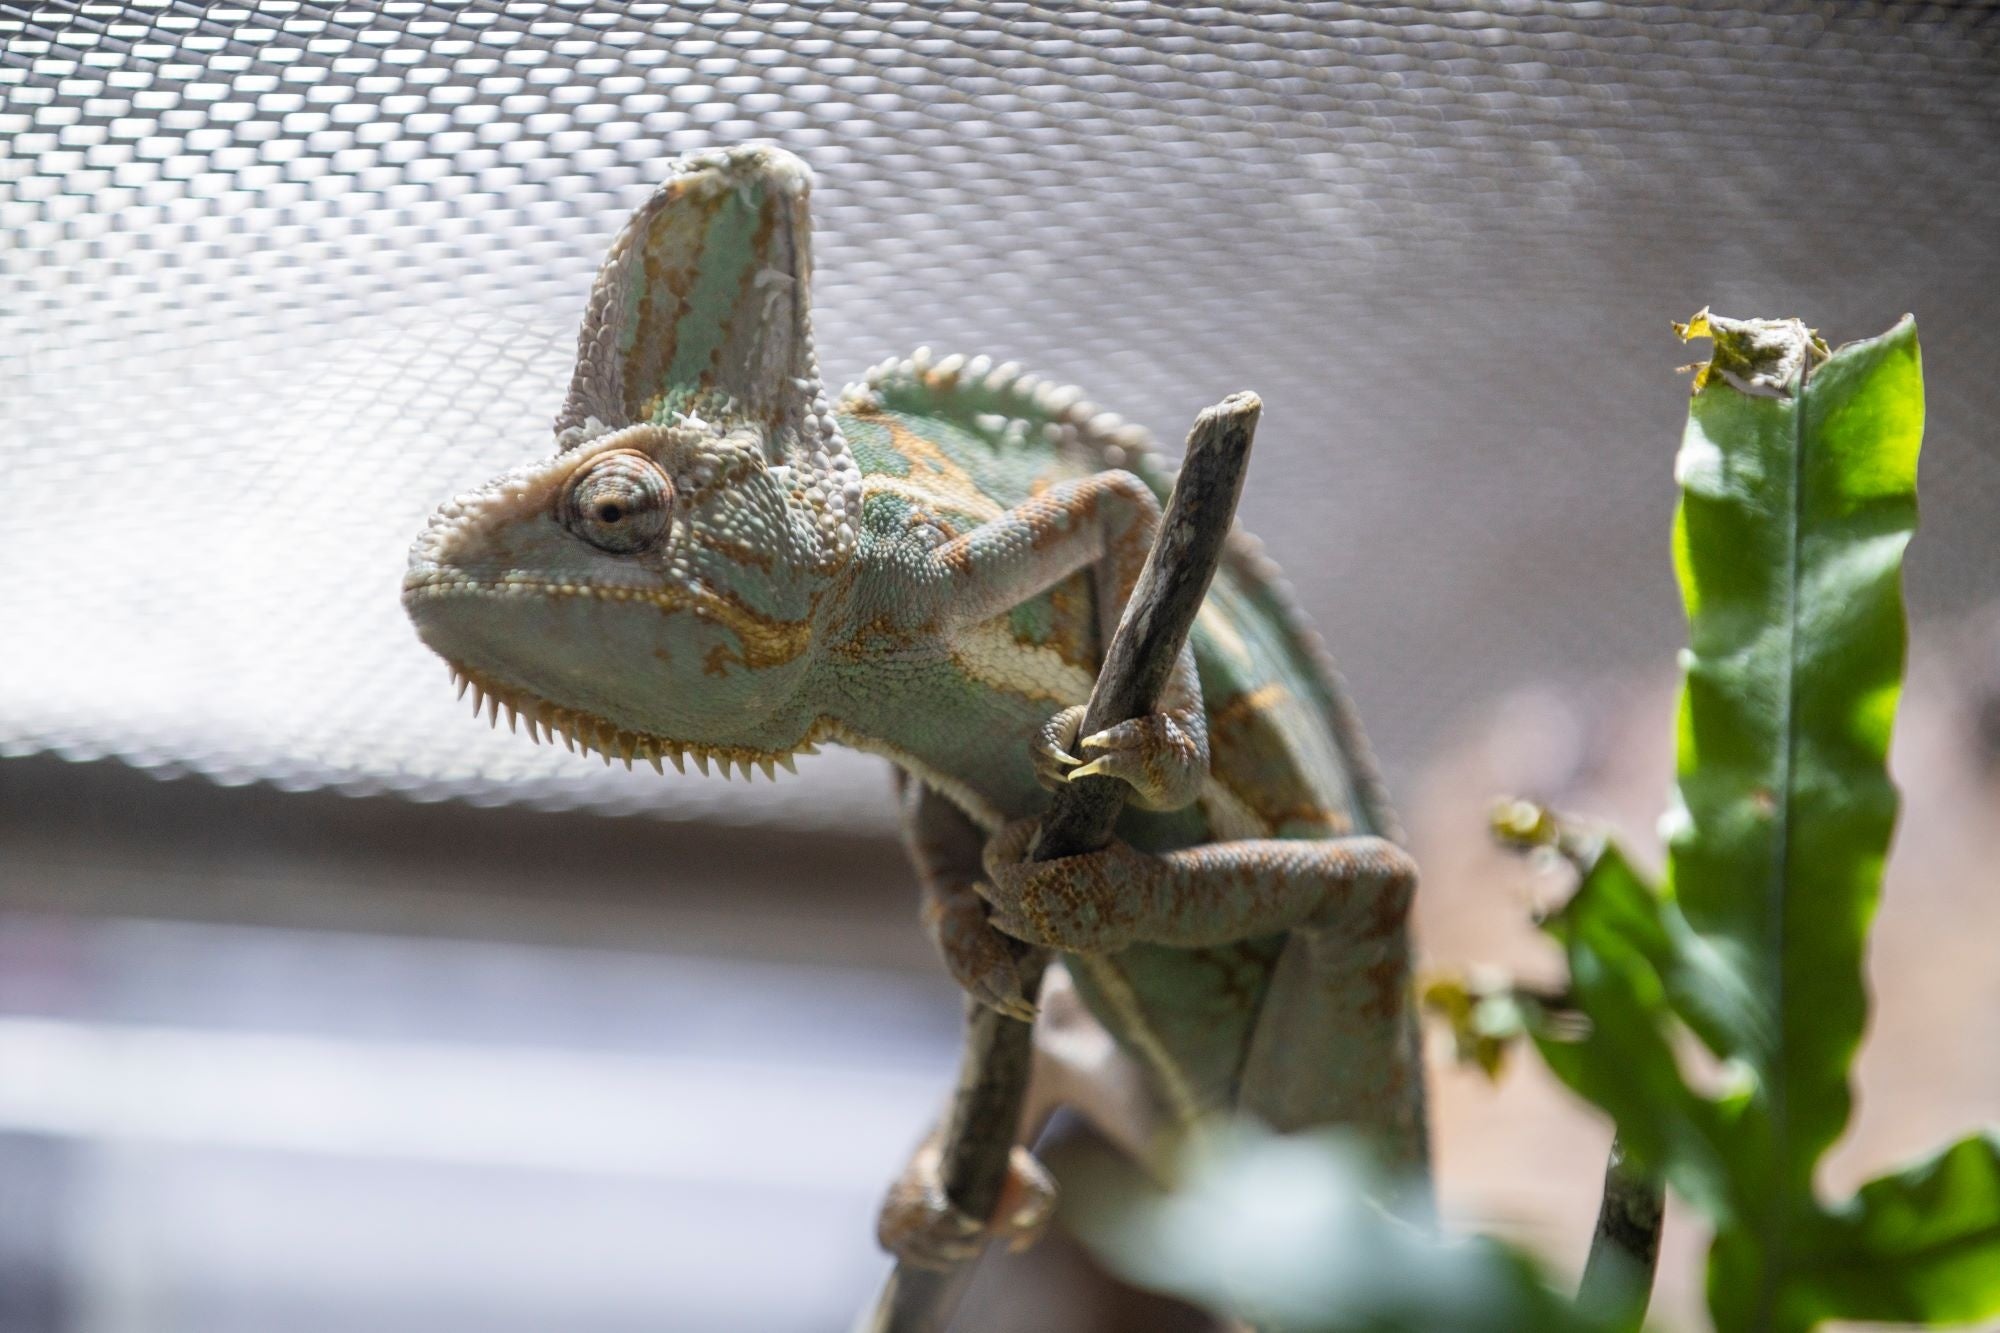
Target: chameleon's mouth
[{"x": 582, "y": 732}]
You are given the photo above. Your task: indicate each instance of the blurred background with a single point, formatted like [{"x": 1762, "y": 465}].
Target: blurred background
[{"x": 368, "y": 1016}]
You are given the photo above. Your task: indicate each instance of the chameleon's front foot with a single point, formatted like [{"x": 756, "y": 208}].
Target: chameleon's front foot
[
  {"x": 920, "y": 1225},
  {"x": 1163, "y": 757}
]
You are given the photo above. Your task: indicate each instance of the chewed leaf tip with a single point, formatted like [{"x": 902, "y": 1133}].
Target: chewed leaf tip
[{"x": 1766, "y": 357}]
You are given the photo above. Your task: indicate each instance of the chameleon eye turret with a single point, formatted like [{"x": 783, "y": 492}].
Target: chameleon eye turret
[{"x": 620, "y": 502}]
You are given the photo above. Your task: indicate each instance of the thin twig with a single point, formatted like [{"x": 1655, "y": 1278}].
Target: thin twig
[
  {"x": 1625, "y": 1249},
  {"x": 993, "y": 1072}
]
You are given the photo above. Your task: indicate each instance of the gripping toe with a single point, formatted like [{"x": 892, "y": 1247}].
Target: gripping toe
[
  {"x": 1053, "y": 748},
  {"x": 982, "y": 960},
  {"x": 920, "y": 1225},
  {"x": 1159, "y": 757}
]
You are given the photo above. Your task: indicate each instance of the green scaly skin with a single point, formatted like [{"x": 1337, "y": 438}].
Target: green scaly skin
[{"x": 720, "y": 564}]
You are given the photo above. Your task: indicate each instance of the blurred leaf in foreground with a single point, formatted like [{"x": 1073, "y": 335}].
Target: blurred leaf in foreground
[{"x": 1283, "y": 1231}]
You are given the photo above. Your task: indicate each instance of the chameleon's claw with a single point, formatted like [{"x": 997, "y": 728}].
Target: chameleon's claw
[
  {"x": 1157, "y": 755},
  {"x": 1015, "y": 1007},
  {"x": 1050, "y": 748},
  {"x": 999, "y": 989}
]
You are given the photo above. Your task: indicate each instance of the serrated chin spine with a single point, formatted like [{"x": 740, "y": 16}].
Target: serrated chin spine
[{"x": 585, "y": 733}]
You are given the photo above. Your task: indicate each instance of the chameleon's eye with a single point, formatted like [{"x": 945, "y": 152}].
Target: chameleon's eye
[{"x": 620, "y": 502}]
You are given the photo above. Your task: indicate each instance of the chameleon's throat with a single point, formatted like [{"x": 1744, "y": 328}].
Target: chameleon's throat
[{"x": 579, "y": 730}]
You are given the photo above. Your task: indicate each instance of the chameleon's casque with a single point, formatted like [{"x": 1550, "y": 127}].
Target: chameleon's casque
[
  {"x": 718, "y": 563},
  {"x": 653, "y": 588}
]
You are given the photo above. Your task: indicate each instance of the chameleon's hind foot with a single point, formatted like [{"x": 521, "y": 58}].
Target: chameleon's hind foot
[
  {"x": 982, "y": 960},
  {"x": 1159, "y": 756},
  {"x": 1093, "y": 903},
  {"x": 920, "y": 1225}
]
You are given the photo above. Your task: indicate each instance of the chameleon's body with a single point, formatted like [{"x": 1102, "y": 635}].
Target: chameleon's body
[{"x": 719, "y": 563}]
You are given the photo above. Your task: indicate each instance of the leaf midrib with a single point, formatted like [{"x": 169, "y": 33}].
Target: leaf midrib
[{"x": 1778, "y": 897}]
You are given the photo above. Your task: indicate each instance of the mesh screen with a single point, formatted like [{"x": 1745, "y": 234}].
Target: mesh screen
[{"x": 278, "y": 278}]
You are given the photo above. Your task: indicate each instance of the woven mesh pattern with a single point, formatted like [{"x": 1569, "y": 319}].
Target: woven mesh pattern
[{"x": 275, "y": 279}]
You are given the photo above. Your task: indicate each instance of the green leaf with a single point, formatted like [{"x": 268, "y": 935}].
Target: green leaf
[
  {"x": 1795, "y": 510},
  {"x": 1798, "y": 497},
  {"x": 1282, "y": 1231},
  {"x": 1921, "y": 1244},
  {"x": 1619, "y": 937},
  {"x": 1798, "y": 475}
]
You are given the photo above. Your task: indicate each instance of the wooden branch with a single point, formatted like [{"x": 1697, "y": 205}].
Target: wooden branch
[
  {"x": 1625, "y": 1248},
  {"x": 993, "y": 1072}
]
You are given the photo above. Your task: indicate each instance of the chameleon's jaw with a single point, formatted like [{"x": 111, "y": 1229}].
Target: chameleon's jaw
[
  {"x": 550, "y": 654},
  {"x": 583, "y": 732}
]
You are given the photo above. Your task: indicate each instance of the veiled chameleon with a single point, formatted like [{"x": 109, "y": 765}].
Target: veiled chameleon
[{"x": 719, "y": 563}]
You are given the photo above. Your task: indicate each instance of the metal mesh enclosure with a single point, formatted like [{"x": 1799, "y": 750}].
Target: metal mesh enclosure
[{"x": 277, "y": 278}]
